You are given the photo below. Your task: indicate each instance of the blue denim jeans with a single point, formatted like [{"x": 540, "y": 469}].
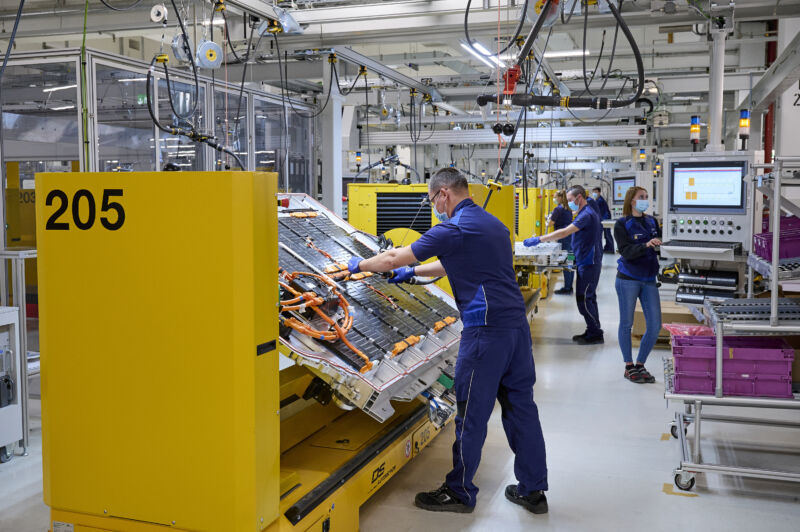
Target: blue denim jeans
[{"x": 628, "y": 292}]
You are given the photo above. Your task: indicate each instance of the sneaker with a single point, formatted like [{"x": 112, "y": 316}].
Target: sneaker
[
  {"x": 579, "y": 336},
  {"x": 441, "y": 500},
  {"x": 590, "y": 340},
  {"x": 633, "y": 374},
  {"x": 646, "y": 376},
  {"x": 536, "y": 502},
  {"x": 563, "y": 292}
]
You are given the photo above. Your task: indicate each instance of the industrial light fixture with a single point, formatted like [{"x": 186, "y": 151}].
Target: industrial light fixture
[
  {"x": 61, "y": 88},
  {"x": 478, "y": 56},
  {"x": 486, "y": 53},
  {"x": 694, "y": 133},
  {"x": 131, "y": 80},
  {"x": 62, "y": 108},
  {"x": 555, "y": 54},
  {"x": 217, "y": 22}
]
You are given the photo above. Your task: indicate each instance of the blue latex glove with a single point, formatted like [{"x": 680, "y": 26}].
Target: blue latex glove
[
  {"x": 401, "y": 275},
  {"x": 532, "y": 241},
  {"x": 353, "y": 263}
]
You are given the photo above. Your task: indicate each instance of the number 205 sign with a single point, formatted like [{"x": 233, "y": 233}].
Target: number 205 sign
[{"x": 84, "y": 209}]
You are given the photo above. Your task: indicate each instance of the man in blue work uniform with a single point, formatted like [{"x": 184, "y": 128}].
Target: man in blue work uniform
[
  {"x": 587, "y": 234},
  {"x": 494, "y": 358},
  {"x": 605, "y": 214}
]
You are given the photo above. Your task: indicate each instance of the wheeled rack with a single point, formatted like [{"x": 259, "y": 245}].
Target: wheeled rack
[{"x": 759, "y": 317}]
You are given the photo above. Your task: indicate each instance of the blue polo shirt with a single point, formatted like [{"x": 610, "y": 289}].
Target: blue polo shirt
[
  {"x": 561, "y": 217},
  {"x": 587, "y": 243},
  {"x": 475, "y": 250}
]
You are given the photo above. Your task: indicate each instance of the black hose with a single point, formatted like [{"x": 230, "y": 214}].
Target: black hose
[
  {"x": 11, "y": 40},
  {"x": 194, "y": 69},
  {"x": 228, "y": 37},
  {"x": 126, "y": 8},
  {"x": 511, "y": 41},
  {"x": 190, "y": 134},
  {"x": 533, "y": 34},
  {"x": 284, "y": 73},
  {"x": 352, "y": 87},
  {"x": 637, "y": 56}
]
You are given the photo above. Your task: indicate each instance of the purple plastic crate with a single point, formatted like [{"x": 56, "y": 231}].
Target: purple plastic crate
[
  {"x": 789, "y": 244},
  {"x": 787, "y": 222},
  {"x": 746, "y": 385},
  {"x": 767, "y": 355}
]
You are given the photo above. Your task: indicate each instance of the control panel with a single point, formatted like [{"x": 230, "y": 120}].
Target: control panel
[{"x": 706, "y": 198}]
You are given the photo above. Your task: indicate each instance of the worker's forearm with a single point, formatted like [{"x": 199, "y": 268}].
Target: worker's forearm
[
  {"x": 434, "y": 269},
  {"x": 386, "y": 261},
  {"x": 555, "y": 235}
]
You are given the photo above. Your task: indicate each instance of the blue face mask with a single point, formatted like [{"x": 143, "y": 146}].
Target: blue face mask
[
  {"x": 441, "y": 216},
  {"x": 573, "y": 206},
  {"x": 595, "y": 195},
  {"x": 642, "y": 205}
]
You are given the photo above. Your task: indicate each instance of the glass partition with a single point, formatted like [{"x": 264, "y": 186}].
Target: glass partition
[
  {"x": 271, "y": 145},
  {"x": 41, "y": 133},
  {"x": 299, "y": 158},
  {"x": 125, "y": 131},
  {"x": 230, "y": 127}
]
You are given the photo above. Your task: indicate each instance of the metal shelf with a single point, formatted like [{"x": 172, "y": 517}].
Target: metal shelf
[
  {"x": 788, "y": 269},
  {"x": 753, "y": 315}
]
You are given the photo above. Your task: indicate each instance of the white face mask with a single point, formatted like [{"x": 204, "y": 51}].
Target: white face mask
[{"x": 595, "y": 195}]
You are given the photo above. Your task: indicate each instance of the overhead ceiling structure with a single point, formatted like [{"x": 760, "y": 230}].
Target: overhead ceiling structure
[{"x": 422, "y": 44}]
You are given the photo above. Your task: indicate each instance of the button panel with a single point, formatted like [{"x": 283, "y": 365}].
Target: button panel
[{"x": 711, "y": 228}]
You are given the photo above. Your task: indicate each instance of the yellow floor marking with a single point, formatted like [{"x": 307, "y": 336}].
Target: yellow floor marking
[
  {"x": 669, "y": 490},
  {"x": 665, "y": 436}
]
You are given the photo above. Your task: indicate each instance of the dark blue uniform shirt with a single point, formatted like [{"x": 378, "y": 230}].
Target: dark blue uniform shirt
[
  {"x": 595, "y": 207},
  {"x": 602, "y": 207},
  {"x": 638, "y": 262},
  {"x": 475, "y": 250},
  {"x": 561, "y": 217},
  {"x": 587, "y": 243}
]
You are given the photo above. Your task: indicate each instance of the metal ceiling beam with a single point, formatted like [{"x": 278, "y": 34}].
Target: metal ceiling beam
[
  {"x": 578, "y": 114},
  {"x": 561, "y": 154},
  {"x": 351, "y": 56},
  {"x": 533, "y": 135}
]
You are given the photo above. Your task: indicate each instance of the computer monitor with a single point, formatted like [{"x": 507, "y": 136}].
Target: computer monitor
[
  {"x": 707, "y": 186},
  {"x": 620, "y": 186}
]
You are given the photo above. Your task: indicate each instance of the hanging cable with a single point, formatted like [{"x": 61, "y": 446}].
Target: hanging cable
[
  {"x": 126, "y": 8},
  {"x": 566, "y": 101},
  {"x": 284, "y": 78},
  {"x": 191, "y": 134},
  {"x": 510, "y": 42},
  {"x": 195, "y": 99},
  {"x": 353, "y": 86}
]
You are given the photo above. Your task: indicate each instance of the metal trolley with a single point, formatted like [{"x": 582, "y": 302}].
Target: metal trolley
[{"x": 762, "y": 317}]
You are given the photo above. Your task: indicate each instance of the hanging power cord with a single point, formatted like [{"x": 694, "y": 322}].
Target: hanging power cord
[
  {"x": 566, "y": 101},
  {"x": 284, "y": 77},
  {"x": 191, "y": 133},
  {"x": 195, "y": 99},
  {"x": 510, "y": 42},
  {"x": 126, "y": 8}
]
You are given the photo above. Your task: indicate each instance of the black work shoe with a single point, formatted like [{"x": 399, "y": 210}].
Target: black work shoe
[
  {"x": 578, "y": 337},
  {"x": 646, "y": 375},
  {"x": 441, "y": 500},
  {"x": 590, "y": 340},
  {"x": 633, "y": 374},
  {"x": 562, "y": 292},
  {"x": 536, "y": 502}
]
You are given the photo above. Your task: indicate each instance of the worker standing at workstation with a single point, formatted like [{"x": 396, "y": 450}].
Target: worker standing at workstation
[
  {"x": 637, "y": 235},
  {"x": 587, "y": 233},
  {"x": 495, "y": 360},
  {"x": 560, "y": 218},
  {"x": 605, "y": 214}
]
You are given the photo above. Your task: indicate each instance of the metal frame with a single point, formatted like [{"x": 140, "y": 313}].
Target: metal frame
[{"x": 773, "y": 317}]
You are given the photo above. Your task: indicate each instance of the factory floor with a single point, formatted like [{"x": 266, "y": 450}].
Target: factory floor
[{"x": 610, "y": 460}]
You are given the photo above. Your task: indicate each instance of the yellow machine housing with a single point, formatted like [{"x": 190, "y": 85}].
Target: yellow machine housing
[
  {"x": 529, "y": 220},
  {"x": 165, "y": 402},
  {"x": 372, "y": 210}
]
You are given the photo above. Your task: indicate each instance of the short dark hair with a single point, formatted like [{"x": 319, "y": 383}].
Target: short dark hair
[
  {"x": 597, "y": 189},
  {"x": 450, "y": 178},
  {"x": 577, "y": 190}
]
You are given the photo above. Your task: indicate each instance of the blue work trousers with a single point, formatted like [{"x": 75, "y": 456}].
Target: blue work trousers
[
  {"x": 586, "y": 297},
  {"x": 569, "y": 275},
  {"x": 496, "y": 363},
  {"x": 628, "y": 291}
]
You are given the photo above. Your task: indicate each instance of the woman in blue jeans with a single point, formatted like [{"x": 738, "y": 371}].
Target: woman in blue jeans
[
  {"x": 637, "y": 236},
  {"x": 560, "y": 218}
]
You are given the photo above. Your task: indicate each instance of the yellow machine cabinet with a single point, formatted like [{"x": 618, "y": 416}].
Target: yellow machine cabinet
[
  {"x": 529, "y": 220},
  {"x": 159, "y": 364}
]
